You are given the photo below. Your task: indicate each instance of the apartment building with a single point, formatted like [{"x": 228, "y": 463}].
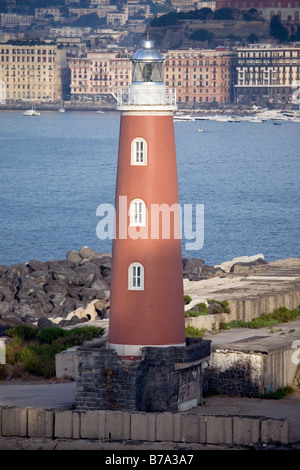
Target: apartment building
[
  {"x": 200, "y": 75},
  {"x": 32, "y": 72},
  {"x": 285, "y": 9},
  {"x": 94, "y": 77},
  {"x": 267, "y": 72}
]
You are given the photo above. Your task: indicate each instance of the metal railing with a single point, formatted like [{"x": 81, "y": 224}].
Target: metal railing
[{"x": 149, "y": 97}]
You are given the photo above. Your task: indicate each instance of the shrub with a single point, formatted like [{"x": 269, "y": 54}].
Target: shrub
[
  {"x": 193, "y": 332},
  {"x": 24, "y": 332},
  {"x": 187, "y": 299},
  {"x": 37, "y": 355}
]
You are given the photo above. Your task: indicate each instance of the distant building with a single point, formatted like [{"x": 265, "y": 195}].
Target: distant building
[
  {"x": 200, "y": 76},
  {"x": 42, "y": 14},
  {"x": 13, "y": 20},
  {"x": 32, "y": 72},
  {"x": 285, "y": 9},
  {"x": 94, "y": 77},
  {"x": 266, "y": 72}
]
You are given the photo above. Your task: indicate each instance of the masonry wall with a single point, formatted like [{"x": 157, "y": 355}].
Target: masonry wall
[
  {"x": 163, "y": 379},
  {"x": 146, "y": 427}
]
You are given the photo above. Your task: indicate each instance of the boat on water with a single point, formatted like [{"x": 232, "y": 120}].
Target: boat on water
[
  {"x": 200, "y": 130},
  {"x": 183, "y": 118},
  {"x": 31, "y": 112},
  {"x": 61, "y": 109},
  {"x": 99, "y": 111}
]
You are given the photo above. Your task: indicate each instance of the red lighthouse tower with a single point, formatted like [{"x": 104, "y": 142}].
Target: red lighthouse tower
[{"x": 147, "y": 306}]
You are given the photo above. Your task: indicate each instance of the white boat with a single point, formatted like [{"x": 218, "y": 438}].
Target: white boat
[
  {"x": 200, "y": 130},
  {"x": 31, "y": 112},
  {"x": 99, "y": 111},
  {"x": 184, "y": 118},
  {"x": 61, "y": 109}
]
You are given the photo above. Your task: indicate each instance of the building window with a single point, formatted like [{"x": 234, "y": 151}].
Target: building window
[
  {"x": 136, "y": 276},
  {"x": 138, "y": 213},
  {"x": 139, "y": 151}
]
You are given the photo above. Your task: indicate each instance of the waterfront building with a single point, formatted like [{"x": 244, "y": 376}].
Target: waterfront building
[
  {"x": 32, "y": 72},
  {"x": 267, "y": 72},
  {"x": 94, "y": 77},
  {"x": 146, "y": 301},
  {"x": 285, "y": 9},
  {"x": 200, "y": 75}
]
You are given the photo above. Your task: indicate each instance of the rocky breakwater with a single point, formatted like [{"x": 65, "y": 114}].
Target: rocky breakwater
[
  {"x": 70, "y": 291},
  {"x": 63, "y": 292}
]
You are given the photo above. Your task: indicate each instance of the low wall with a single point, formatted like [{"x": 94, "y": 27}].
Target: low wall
[
  {"x": 146, "y": 427},
  {"x": 247, "y": 308}
]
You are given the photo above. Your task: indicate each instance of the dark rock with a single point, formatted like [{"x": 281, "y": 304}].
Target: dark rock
[
  {"x": 88, "y": 253},
  {"x": 45, "y": 323},
  {"x": 88, "y": 293},
  {"x": 35, "y": 265},
  {"x": 192, "y": 268},
  {"x": 244, "y": 267},
  {"x": 5, "y": 308},
  {"x": 73, "y": 256}
]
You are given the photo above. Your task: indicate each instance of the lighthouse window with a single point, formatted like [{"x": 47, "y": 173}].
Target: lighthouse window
[
  {"x": 136, "y": 276},
  {"x": 137, "y": 211},
  {"x": 139, "y": 152}
]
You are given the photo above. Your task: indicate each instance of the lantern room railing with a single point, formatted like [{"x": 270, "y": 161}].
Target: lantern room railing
[{"x": 146, "y": 95}]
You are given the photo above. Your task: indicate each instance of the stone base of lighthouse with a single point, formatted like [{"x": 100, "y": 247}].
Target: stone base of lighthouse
[{"x": 160, "y": 380}]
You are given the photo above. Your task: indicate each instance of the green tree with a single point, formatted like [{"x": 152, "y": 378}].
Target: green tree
[
  {"x": 202, "y": 35},
  {"x": 277, "y": 30}
]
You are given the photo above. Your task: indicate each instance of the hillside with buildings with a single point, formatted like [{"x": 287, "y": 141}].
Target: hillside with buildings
[{"x": 217, "y": 52}]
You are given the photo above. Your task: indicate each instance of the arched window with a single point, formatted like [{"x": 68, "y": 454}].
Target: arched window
[
  {"x": 137, "y": 213},
  {"x": 136, "y": 274},
  {"x": 139, "y": 151}
]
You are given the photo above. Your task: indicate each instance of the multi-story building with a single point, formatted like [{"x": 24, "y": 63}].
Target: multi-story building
[
  {"x": 32, "y": 72},
  {"x": 98, "y": 74},
  {"x": 200, "y": 75},
  {"x": 285, "y": 9},
  {"x": 13, "y": 20},
  {"x": 42, "y": 14},
  {"x": 267, "y": 72}
]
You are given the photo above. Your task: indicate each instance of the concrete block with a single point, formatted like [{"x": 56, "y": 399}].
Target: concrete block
[
  {"x": 246, "y": 431},
  {"x": 40, "y": 423},
  {"x": 92, "y": 425},
  {"x": 168, "y": 427},
  {"x": 143, "y": 427},
  {"x": 193, "y": 428},
  {"x": 14, "y": 422},
  {"x": 117, "y": 425},
  {"x": 276, "y": 431},
  {"x": 67, "y": 424},
  {"x": 66, "y": 364},
  {"x": 219, "y": 429}
]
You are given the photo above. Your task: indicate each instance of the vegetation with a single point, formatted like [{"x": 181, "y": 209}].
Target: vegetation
[
  {"x": 193, "y": 332},
  {"x": 32, "y": 351},
  {"x": 187, "y": 299},
  {"x": 279, "y": 315},
  {"x": 202, "y": 35},
  {"x": 278, "y": 394}
]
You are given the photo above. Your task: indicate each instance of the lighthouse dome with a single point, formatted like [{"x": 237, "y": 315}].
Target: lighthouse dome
[{"x": 147, "y": 52}]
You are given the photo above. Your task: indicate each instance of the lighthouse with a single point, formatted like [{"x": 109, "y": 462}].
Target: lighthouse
[
  {"x": 146, "y": 299},
  {"x": 146, "y": 363}
]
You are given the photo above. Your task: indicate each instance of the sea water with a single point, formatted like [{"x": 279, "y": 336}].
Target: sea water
[{"x": 57, "y": 168}]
